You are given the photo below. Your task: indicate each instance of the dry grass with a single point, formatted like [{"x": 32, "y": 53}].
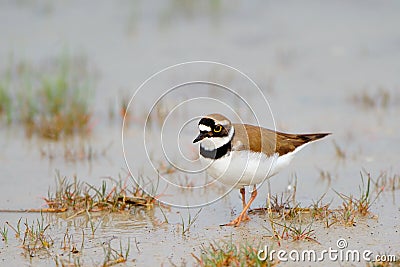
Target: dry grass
[
  {"x": 291, "y": 222},
  {"x": 387, "y": 182},
  {"x": 190, "y": 221},
  {"x": 229, "y": 254},
  {"x": 286, "y": 222},
  {"x": 50, "y": 100},
  {"x": 379, "y": 98},
  {"x": 340, "y": 153},
  {"x": 34, "y": 238},
  {"x": 352, "y": 206},
  {"x": 290, "y": 231},
  {"x": 72, "y": 152},
  {"x": 123, "y": 109},
  {"x": 119, "y": 110},
  {"x": 113, "y": 257},
  {"x": 35, "y": 241},
  {"x": 78, "y": 197}
]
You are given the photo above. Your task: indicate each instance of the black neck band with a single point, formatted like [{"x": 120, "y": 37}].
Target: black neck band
[{"x": 216, "y": 153}]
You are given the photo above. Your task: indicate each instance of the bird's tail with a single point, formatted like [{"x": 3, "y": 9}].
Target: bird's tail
[
  {"x": 290, "y": 142},
  {"x": 312, "y": 137}
]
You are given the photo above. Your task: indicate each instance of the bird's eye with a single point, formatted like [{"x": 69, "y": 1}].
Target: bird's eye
[{"x": 217, "y": 128}]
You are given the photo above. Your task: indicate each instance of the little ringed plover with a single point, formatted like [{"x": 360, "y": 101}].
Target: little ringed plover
[{"x": 241, "y": 155}]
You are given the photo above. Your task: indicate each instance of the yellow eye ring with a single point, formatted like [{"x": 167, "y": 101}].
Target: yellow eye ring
[{"x": 217, "y": 128}]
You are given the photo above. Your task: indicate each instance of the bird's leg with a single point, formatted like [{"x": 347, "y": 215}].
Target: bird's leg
[
  {"x": 243, "y": 193},
  {"x": 243, "y": 215}
]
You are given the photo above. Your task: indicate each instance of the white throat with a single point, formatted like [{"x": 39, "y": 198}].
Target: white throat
[{"x": 212, "y": 143}]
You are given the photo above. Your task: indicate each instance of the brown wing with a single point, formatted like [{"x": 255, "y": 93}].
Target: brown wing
[
  {"x": 288, "y": 142},
  {"x": 268, "y": 141},
  {"x": 262, "y": 140}
]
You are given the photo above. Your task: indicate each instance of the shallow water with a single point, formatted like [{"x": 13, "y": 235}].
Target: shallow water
[{"x": 308, "y": 60}]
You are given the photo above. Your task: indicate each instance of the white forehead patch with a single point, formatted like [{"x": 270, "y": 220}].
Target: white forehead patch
[
  {"x": 224, "y": 122},
  {"x": 204, "y": 128}
]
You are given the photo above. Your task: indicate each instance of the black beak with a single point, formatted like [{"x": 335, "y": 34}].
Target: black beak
[{"x": 200, "y": 137}]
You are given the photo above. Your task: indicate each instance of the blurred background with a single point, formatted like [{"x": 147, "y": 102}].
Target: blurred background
[
  {"x": 68, "y": 70},
  {"x": 322, "y": 67}
]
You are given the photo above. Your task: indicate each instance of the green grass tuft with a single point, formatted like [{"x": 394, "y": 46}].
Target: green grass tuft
[
  {"x": 52, "y": 100},
  {"x": 229, "y": 254}
]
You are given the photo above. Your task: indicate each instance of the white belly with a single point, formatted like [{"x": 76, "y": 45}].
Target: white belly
[{"x": 242, "y": 168}]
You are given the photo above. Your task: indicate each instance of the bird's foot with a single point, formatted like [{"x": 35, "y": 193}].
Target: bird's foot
[{"x": 236, "y": 222}]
